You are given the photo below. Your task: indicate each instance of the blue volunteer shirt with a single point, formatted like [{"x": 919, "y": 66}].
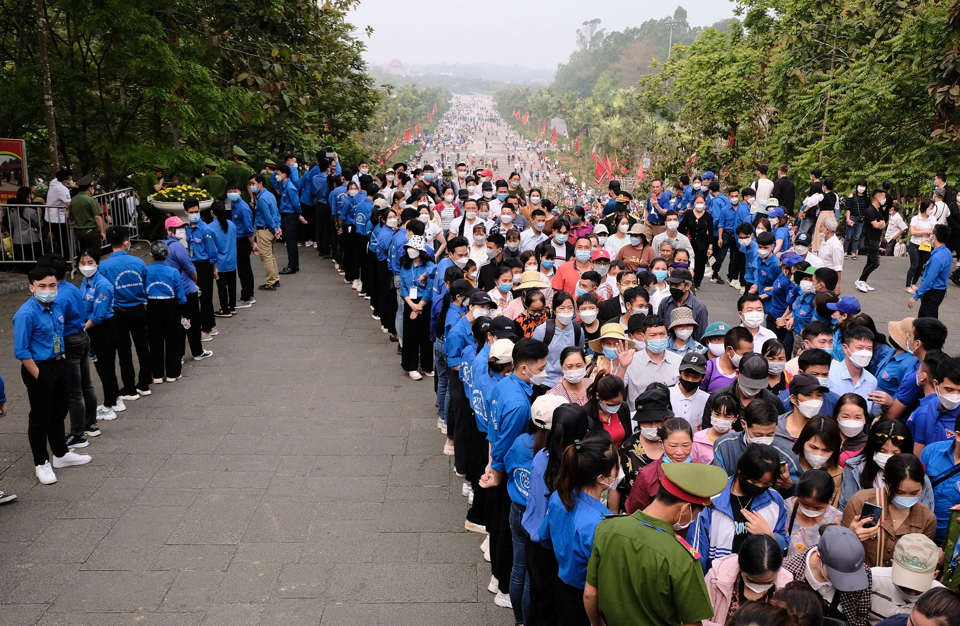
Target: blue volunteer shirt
[
  {"x": 910, "y": 393},
  {"x": 37, "y": 331},
  {"x": 383, "y": 243},
  {"x": 509, "y": 412},
  {"x": 226, "y": 243},
  {"x": 783, "y": 235},
  {"x": 456, "y": 340},
  {"x": 743, "y": 214},
  {"x": 200, "y": 243},
  {"x": 289, "y": 200},
  {"x": 782, "y": 287},
  {"x": 752, "y": 260},
  {"x": 268, "y": 216},
  {"x": 179, "y": 260},
  {"x": 519, "y": 461},
  {"x": 97, "y": 298},
  {"x": 894, "y": 371},
  {"x": 242, "y": 216},
  {"x": 938, "y": 459},
  {"x": 483, "y": 383},
  {"x": 723, "y": 214},
  {"x": 572, "y": 534},
  {"x": 306, "y": 186},
  {"x": 70, "y": 299},
  {"x": 931, "y": 422},
  {"x": 936, "y": 272},
  {"x": 412, "y": 278},
  {"x": 653, "y": 215},
  {"x": 539, "y": 498},
  {"x": 163, "y": 283},
  {"x": 802, "y": 309},
  {"x": 128, "y": 275},
  {"x": 768, "y": 271},
  {"x": 396, "y": 250}
]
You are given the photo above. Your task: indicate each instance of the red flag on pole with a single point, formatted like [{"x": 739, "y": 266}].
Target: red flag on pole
[
  {"x": 526, "y": 118},
  {"x": 543, "y": 129},
  {"x": 418, "y": 127},
  {"x": 554, "y": 137},
  {"x": 406, "y": 134},
  {"x": 640, "y": 173},
  {"x": 434, "y": 109},
  {"x": 576, "y": 148}
]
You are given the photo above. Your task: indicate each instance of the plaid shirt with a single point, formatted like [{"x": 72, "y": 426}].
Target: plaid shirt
[{"x": 855, "y": 605}]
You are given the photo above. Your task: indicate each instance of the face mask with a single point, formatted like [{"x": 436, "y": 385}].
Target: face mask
[
  {"x": 639, "y": 311},
  {"x": 599, "y": 269},
  {"x": 903, "y": 502},
  {"x": 44, "y": 296},
  {"x": 697, "y": 186},
  {"x": 634, "y": 241},
  {"x": 745, "y": 242},
  {"x": 390, "y": 178},
  {"x": 700, "y": 207},
  {"x": 735, "y": 359},
  {"x": 734, "y": 201},
  {"x": 850, "y": 428},
  {"x": 472, "y": 275},
  {"x": 750, "y": 490},
  {"x": 660, "y": 275},
  {"x": 657, "y": 346},
  {"x": 824, "y": 381},
  {"x": 461, "y": 263},
  {"x": 808, "y": 512},
  {"x": 815, "y": 460},
  {"x": 514, "y": 184},
  {"x": 537, "y": 379},
  {"x": 623, "y": 228},
  {"x": 234, "y": 196},
  {"x": 428, "y": 176},
  {"x": 689, "y": 385},
  {"x": 517, "y": 279},
  {"x": 862, "y": 358},
  {"x": 392, "y": 222},
  {"x": 720, "y": 425},
  {"x": 610, "y": 409},
  {"x": 513, "y": 246},
  {"x": 753, "y": 319},
  {"x": 676, "y": 294},
  {"x": 801, "y": 250},
  {"x": 547, "y": 264},
  {"x": 462, "y": 174},
  {"x": 574, "y": 220},
  {"x": 471, "y": 215},
  {"x": 254, "y": 189},
  {"x": 484, "y": 215},
  {"x": 775, "y": 369},
  {"x": 564, "y": 318},
  {"x": 424, "y": 218},
  {"x": 649, "y": 434},
  {"x": 756, "y": 587},
  {"x": 881, "y": 459},
  {"x": 823, "y": 237},
  {"x": 575, "y": 376},
  {"x": 861, "y": 189},
  {"x": 538, "y": 226},
  {"x": 764, "y": 253},
  {"x": 588, "y": 317},
  {"x": 766, "y": 441},
  {"x": 506, "y": 219},
  {"x": 488, "y": 195},
  {"x": 88, "y": 270},
  {"x": 749, "y": 393},
  {"x": 672, "y": 226},
  {"x": 610, "y": 353},
  {"x": 684, "y": 333},
  {"x": 560, "y": 238},
  {"x": 806, "y": 286},
  {"x": 481, "y": 312},
  {"x": 534, "y": 199},
  {"x": 471, "y": 188},
  {"x": 716, "y": 349},
  {"x": 602, "y": 240},
  {"x": 950, "y": 401},
  {"x": 502, "y": 196},
  {"x": 193, "y": 217},
  {"x": 679, "y": 525},
  {"x": 413, "y": 253},
  {"x": 479, "y": 240}
]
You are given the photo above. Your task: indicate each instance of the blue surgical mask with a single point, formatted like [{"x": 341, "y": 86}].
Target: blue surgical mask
[
  {"x": 254, "y": 189},
  {"x": 666, "y": 459},
  {"x": 502, "y": 196},
  {"x": 583, "y": 255},
  {"x": 45, "y": 296},
  {"x": 193, "y": 217},
  {"x": 547, "y": 264},
  {"x": 660, "y": 275},
  {"x": 505, "y": 287},
  {"x": 904, "y": 503},
  {"x": 580, "y": 292},
  {"x": 610, "y": 353},
  {"x": 634, "y": 241},
  {"x": 610, "y": 409},
  {"x": 233, "y": 196},
  {"x": 560, "y": 238},
  {"x": 657, "y": 346},
  {"x": 428, "y": 176}
]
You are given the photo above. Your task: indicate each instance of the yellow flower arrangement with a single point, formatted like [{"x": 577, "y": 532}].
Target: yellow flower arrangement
[{"x": 181, "y": 193}]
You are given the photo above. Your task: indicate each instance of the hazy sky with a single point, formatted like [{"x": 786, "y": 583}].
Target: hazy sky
[{"x": 531, "y": 33}]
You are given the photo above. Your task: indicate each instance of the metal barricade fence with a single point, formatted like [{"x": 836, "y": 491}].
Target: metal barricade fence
[
  {"x": 28, "y": 235},
  {"x": 120, "y": 209}
]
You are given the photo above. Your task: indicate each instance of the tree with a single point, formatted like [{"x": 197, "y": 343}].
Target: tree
[{"x": 591, "y": 35}]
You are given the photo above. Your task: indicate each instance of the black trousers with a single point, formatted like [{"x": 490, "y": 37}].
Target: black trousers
[
  {"x": 103, "y": 342},
  {"x": 363, "y": 263},
  {"x": 570, "y": 605},
  {"x": 166, "y": 337},
  {"x": 477, "y": 454},
  {"x": 542, "y": 567},
  {"x": 244, "y": 270},
  {"x": 325, "y": 228},
  {"x": 459, "y": 431},
  {"x": 720, "y": 249},
  {"x": 872, "y": 248},
  {"x": 289, "y": 222},
  {"x": 738, "y": 264},
  {"x": 205, "y": 285},
  {"x": 83, "y": 398},
  {"x": 227, "y": 290},
  {"x": 699, "y": 264},
  {"x": 388, "y": 298},
  {"x": 351, "y": 253},
  {"x": 132, "y": 325},
  {"x": 191, "y": 311},
  {"x": 49, "y": 403},
  {"x": 501, "y": 539},
  {"x": 417, "y": 347},
  {"x": 930, "y": 303},
  {"x": 306, "y": 232},
  {"x": 371, "y": 284}
]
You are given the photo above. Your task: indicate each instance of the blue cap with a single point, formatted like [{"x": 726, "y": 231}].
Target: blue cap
[
  {"x": 846, "y": 304},
  {"x": 717, "y": 329},
  {"x": 709, "y": 175},
  {"x": 790, "y": 258},
  {"x": 777, "y": 212}
]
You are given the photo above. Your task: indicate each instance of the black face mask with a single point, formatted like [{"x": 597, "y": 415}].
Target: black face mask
[
  {"x": 689, "y": 385},
  {"x": 750, "y": 490},
  {"x": 677, "y": 294}
]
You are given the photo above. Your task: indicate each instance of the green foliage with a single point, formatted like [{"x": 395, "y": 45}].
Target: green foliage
[{"x": 401, "y": 109}]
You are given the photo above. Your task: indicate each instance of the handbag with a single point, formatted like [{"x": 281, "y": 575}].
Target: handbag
[
  {"x": 925, "y": 246},
  {"x": 881, "y": 537}
]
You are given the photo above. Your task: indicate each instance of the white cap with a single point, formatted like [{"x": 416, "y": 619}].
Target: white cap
[{"x": 502, "y": 351}]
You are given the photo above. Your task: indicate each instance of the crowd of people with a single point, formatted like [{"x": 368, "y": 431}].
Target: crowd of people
[{"x": 628, "y": 456}]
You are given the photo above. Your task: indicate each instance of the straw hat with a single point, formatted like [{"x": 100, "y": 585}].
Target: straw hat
[
  {"x": 611, "y": 331},
  {"x": 530, "y": 280}
]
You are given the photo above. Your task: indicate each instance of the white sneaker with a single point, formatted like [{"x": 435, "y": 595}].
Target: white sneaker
[
  {"x": 206, "y": 355},
  {"x": 485, "y": 546},
  {"x": 205, "y": 336},
  {"x": 157, "y": 381},
  {"x": 503, "y": 600},
  {"x": 869, "y": 288},
  {"x": 494, "y": 586},
  {"x": 104, "y": 413},
  {"x": 244, "y": 304},
  {"x": 119, "y": 407},
  {"x": 131, "y": 397},
  {"x": 735, "y": 284},
  {"x": 71, "y": 458},
  {"x": 475, "y": 528},
  {"x": 214, "y": 332},
  {"x": 860, "y": 285},
  {"x": 45, "y": 474},
  {"x": 466, "y": 490},
  {"x": 440, "y": 423},
  {"x": 356, "y": 284},
  {"x": 144, "y": 392},
  {"x": 173, "y": 380},
  {"x": 415, "y": 375}
]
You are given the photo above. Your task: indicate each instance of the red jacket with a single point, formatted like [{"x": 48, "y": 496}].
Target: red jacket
[{"x": 646, "y": 486}]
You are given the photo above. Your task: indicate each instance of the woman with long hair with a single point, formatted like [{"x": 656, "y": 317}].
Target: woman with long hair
[{"x": 225, "y": 236}]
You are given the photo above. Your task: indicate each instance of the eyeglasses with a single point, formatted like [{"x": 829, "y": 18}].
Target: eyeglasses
[{"x": 881, "y": 437}]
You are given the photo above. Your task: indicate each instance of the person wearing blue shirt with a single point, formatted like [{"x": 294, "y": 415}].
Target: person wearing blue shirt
[
  {"x": 658, "y": 202},
  {"x": 723, "y": 216},
  {"x": 408, "y": 219},
  {"x": 128, "y": 275},
  {"x": 590, "y": 467},
  {"x": 267, "y": 225},
  {"x": 388, "y": 297},
  {"x": 779, "y": 294},
  {"x": 242, "y": 217},
  {"x": 38, "y": 344},
  {"x": 941, "y": 459},
  {"x": 290, "y": 217},
  {"x": 781, "y": 230},
  {"x": 416, "y": 276},
  {"x": 225, "y": 238},
  {"x": 742, "y": 215},
  {"x": 164, "y": 298},
  {"x": 936, "y": 417},
  {"x": 768, "y": 269},
  {"x": 933, "y": 285},
  {"x": 747, "y": 244},
  {"x": 362, "y": 213},
  {"x": 83, "y": 399},
  {"x": 178, "y": 259},
  {"x": 456, "y": 340},
  {"x": 322, "y": 230},
  {"x": 98, "y": 311},
  {"x": 203, "y": 253}
]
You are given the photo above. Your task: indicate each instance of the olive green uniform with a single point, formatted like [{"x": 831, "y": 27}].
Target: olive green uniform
[
  {"x": 240, "y": 173},
  {"x": 646, "y": 577},
  {"x": 84, "y": 210},
  {"x": 155, "y": 230},
  {"x": 216, "y": 185}
]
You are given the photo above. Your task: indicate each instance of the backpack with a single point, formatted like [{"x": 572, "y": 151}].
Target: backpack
[{"x": 551, "y": 330}]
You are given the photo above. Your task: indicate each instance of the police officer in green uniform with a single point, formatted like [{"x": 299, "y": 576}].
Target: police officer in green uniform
[
  {"x": 640, "y": 572},
  {"x": 623, "y": 208},
  {"x": 152, "y": 183},
  {"x": 213, "y": 183},
  {"x": 239, "y": 172},
  {"x": 269, "y": 172}
]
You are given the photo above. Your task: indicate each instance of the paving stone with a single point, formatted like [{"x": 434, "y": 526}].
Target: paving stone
[
  {"x": 304, "y": 580},
  {"x": 121, "y": 558},
  {"x": 248, "y": 583},
  {"x": 159, "y": 619},
  {"x": 66, "y": 541},
  {"x": 303, "y": 612},
  {"x": 78, "y": 619},
  {"x": 191, "y": 591},
  {"x": 194, "y": 557},
  {"x": 40, "y": 584},
  {"x": 233, "y": 615},
  {"x": 404, "y": 583},
  {"x": 143, "y": 525},
  {"x": 140, "y": 591},
  {"x": 280, "y": 521},
  {"x": 22, "y": 614},
  {"x": 219, "y": 516}
]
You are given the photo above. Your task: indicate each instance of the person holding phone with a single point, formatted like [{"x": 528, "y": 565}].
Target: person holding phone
[{"x": 901, "y": 512}]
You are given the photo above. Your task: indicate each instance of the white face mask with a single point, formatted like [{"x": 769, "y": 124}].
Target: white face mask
[
  {"x": 699, "y": 207},
  {"x": 745, "y": 241},
  {"x": 761, "y": 440},
  {"x": 588, "y": 317},
  {"x": 390, "y": 178},
  {"x": 721, "y": 426},
  {"x": 950, "y": 401},
  {"x": 672, "y": 226},
  {"x": 449, "y": 199},
  {"x": 862, "y": 358},
  {"x": 601, "y": 239},
  {"x": 487, "y": 194},
  {"x": 753, "y": 319},
  {"x": 815, "y": 460},
  {"x": 861, "y": 189},
  {"x": 564, "y": 318},
  {"x": 806, "y": 286},
  {"x": 481, "y": 312},
  {"x": 649, "y": 434},
  {"x": 506, "y": 219},
  {"x": 679, "y": 525},
  {"x": 881, "y": 458},
  {"x": 801, "y": 250},
  {"x": 392, "y": 222},
  {"x": 735, "y": 359},
  {"x": 462, "y": 174},
  {"x": 88, "y": 270},
  {"x": 574, "y": 376},
  {"x": 764, "y": 253},
  {"x": 716, "y": 349},
  {"x": 423, "y": 217},
  {"x": 471, "y": 188},
  {"x": 775, "y": 368},
  {"x": 810, "y": 408},
  {"x": 808, "y": 512},
  {"x": 479, "y": 240},
  {"x": 471, "y": 215},
  {"x": 537, "y": 379},
  {"x": 623, "y": 228},
  {"x": 413, "y": 253},
  {"x": 535, "y": 200},
  {"x": 755, "y": 587},
  {"x": 684, "y": 333},
  {"x": 850, "y": 428}
]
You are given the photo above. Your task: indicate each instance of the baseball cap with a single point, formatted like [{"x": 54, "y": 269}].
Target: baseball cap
[
  {"x": 842, "y": 555},
  {"x": 503, "y": 328},
  {"x": 915, "y": 562},
  {"x": 708, "y": 175},
  {"x": 846, "y": 304},
  {"x": 601, "y": 228},
  {"x": 753, "y": 371},
  {"x": 543, "y": 408},
  {"x": 806, "y": 384},
  {"x": 502, "y": 351},
  {"x": 694, "y": 482},
  {"x": 716, "y": 329},
  {"x": 600, "y": 254},
  {"x": 680, "y": 275},
  {"x": 776, "y": 212},
  {"x": 482, "y": 297},
  {"x": 809, "y": 271},
  {"x": 461, "y": 287},
  {"x": 803, "y": 239},
  {"x": 694, "y": 361},
  {"x": 173, "y": 222}
]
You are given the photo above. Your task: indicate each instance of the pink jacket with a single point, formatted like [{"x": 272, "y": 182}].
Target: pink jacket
[{"x": 720, "y": 581}]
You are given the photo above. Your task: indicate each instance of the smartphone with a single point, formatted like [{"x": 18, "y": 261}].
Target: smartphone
[
  {"x": 330, "y": 155},
  {"x": 872, "y": 511}
]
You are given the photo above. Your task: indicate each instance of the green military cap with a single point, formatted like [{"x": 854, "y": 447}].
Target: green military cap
[
  {"x": 694, "y": 482},
  {"x": 209, "y": 162},
  {"x": 160, "y": 165},
  {"x": 86, "y": 181},
  {"x": 237, "y": 150},
  {"x": 270, "y": 163}
]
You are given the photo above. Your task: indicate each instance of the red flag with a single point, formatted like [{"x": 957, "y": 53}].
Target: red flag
[
  {"x": 600, "y": 172},
  {"x": 526, "y": 118},
  {"x": 640, "y": 173},
  {"x": 406, "y": 134},
  {"x": 554, "y": 137},
  {"x": 418, "y": 127},
  {"x": 576, "y": 148},
  {"x": 434, "y": 109},
  {"x": 543, "y": 129}
]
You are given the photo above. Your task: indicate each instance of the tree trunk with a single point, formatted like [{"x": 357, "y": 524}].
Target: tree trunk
[{"x": 47, "y": 85}]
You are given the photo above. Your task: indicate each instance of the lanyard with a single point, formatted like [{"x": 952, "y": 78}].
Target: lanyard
[{"x": 680, "y": 539}]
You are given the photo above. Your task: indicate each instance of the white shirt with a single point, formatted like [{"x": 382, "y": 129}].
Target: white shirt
[
  {"x": 614, "y": 244},
  {"x": 58, "y": 197},
  {"x": 764, "y": 189},
  {"x": 815, "y": 261},
  {"x": 495, "y": 207},
  {"x": 690, "y": 409},
  {"x": 922, "y": 224},
  {"x": 680, "y": 242},
  {"x": 530, "y": 239},
  {"x": 657, "y": 297},
  {"x": 939, "y": 212},
  {"x": 831, "y": 253},
  {"x": 761, "y": 337},
  {"x": 454, "y": 228},
  {"x": 894, "y": 226},
  {"x": 885, "y": 597},
  {"x": 502, "y": 300},
  {"x": 644, "y": 371},
  {"x": 430, "y": 232}
]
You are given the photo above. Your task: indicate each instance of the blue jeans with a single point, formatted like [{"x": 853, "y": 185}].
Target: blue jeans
[
  {"x": 396, "y": 284},
  {"x": 440, "y": 367},
  {"x": 519, "y": 578},
  {"x": 851, "y": 238}
]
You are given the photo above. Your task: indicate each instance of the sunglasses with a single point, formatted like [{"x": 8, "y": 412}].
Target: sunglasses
[{"x": 881, "y": 437}]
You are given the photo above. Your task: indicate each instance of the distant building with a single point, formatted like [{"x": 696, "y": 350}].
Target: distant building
[{"x": 396, "y": 68}]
